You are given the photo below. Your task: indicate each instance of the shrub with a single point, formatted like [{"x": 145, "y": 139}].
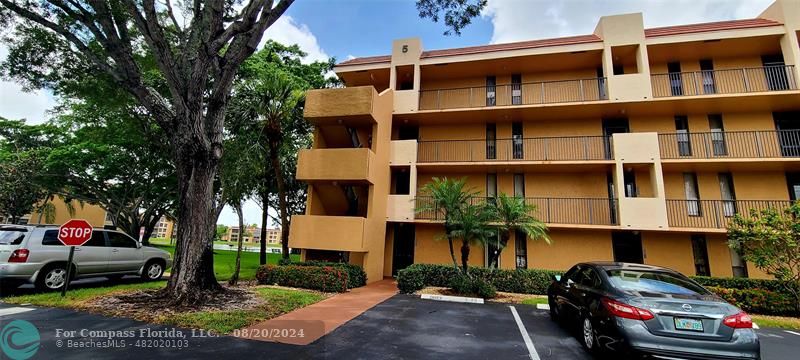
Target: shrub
[
  {"x": 524, "y": 281},
  {"x": 356, "y": 275},
  {"x": 472, "y": 286},
  {"x": 483, "y": 288},
  {"x": 743, "y": 283},
  {"x": 758, "y": 301},
  {"x": 323, "y": 278}
]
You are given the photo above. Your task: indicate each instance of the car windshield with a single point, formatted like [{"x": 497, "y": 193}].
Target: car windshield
[
  {"x": 654, "y": 282},
  {"x": 11, "y": 236}
]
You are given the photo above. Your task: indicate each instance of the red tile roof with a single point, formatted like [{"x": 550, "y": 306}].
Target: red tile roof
[
  {"x": 571, "y": 40},
  {"x": 706, "y": 27}
]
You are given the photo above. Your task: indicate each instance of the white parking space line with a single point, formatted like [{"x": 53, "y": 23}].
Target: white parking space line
[
  {"x": 792, "y": 332},
  {"x": 528, "y": 342},
  {"x": 13, "y": 310}
]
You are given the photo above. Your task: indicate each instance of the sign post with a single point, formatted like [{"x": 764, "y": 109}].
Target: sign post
[{"x": 72, "y": 233}]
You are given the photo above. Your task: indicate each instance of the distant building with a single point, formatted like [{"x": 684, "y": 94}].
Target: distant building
[
  {"x": 165, "y": 229},
  {"x": 252, "y": 234},
  {"x": 94, "y": 214}
]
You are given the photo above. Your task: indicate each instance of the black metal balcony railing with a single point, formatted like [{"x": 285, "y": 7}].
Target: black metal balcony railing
[
  {"x": 727, "y": 81},
  {"x": 517, "y": 149},
  {"x": 730, "y": 144},
  {"x": 714, "y": 214},
  {"x": 577, "y": 211},
  {"x": 545, "y": 92}
]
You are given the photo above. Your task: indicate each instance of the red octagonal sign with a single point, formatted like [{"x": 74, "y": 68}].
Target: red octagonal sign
[{"x": 75, "y": 232}]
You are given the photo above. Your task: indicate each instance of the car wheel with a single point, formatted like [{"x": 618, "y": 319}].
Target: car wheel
[
  {"x": 588, "y": 338},
  {"x": 52, "y": 277},
  {"x": 153, "y": 271}
]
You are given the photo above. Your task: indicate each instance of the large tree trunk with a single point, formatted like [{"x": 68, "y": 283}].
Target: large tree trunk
[
  {"x": 465, "y": 257},
  {"x": 274, "y": 155},
  {"x": 493, "y": 258},
  {"x": 192, "y": 280},
  {"x": 235, "y": 277},
  {"x": 262, "y": 251}
]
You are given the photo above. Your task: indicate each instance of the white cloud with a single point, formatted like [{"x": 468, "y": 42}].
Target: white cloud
[
  {"x": 17, "y": 104},
  {"x": 287, "y": 31},
  {"x": 251, "y": 211},
  {"x": 517, "y": 20}
]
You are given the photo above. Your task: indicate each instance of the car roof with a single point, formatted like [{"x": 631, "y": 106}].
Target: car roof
[{"x": 613, "y": 265}]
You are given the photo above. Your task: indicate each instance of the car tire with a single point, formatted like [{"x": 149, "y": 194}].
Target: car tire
[
  {"x": 153, "y": 270},
  {"x": 587, "y": 334},
  {"x": 52, "y": 277}
]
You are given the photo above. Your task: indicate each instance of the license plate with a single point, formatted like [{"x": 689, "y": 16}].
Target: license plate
[{"x": 688, "y": 324}]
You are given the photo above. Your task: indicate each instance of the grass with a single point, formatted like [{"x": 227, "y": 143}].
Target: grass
[
  {"x": 776, "y": 321},
  {"x": 278, "y": 302},
  {"x": 535, "y": 301},
  {"x": 225, "y": 261},
  {"x": 76, "y": 298}
]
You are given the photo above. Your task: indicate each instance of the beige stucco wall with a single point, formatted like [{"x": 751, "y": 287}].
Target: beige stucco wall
[{"x": 94, "y": 214}]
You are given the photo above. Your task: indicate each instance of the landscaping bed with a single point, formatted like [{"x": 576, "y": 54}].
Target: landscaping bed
[
  {"x": 502, "y": 297},
  {"x": 235, "y": 308}
]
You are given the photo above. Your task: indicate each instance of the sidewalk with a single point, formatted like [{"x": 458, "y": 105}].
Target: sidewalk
[{"x": 306, "y": 325}]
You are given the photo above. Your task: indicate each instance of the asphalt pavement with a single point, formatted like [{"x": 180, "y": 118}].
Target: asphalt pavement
[{"x": 403, "y": 327}]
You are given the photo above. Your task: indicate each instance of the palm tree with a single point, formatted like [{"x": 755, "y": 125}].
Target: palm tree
[
  {"x": 513, "y": 213},
  {"x": 274, "y": 102},
  {"x": 473, "y": 227},
  {"x": 448, "y": 197}
]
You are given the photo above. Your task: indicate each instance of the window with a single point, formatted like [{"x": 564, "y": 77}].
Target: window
[
  {"x": 98, "y": 239},
  {"x": 627, "y": 246},
  {"x": 653, "y": 282},
  {"x": 491, "y": 91},
  {"x": 775, "y": 72},
  {"x": 738, "y": 265},
  {"x": 692, "y": 195},
  {"x": 516, "y": 139},
  {"x": 788, "y": 126},
  {"x": 407, "y": 132},
  {"x": 519, "y": 185},
  {"x": 588, "y": 278},
  {"x": 404, "y": 75},
  {"x": 120, "y": 240},
  {"x": 491, "y": 141},
  {"x": 717, "y": 135},
  {"x": 728, "y": 194},
  {"x": 618, "y": 69},
  {"x": 521, "y": 249},
  {"x": 601, "y": 84},
  {"x": 13, "y": 236},
  {"x": 682, "y": 129},
  {"x": 629, "y": 177},
  {"x": 707, "y": 70},
  {"x": 700, "y": 252},
  {"x": 516, "y": 89},
  {"x": 793, "y": 182},
  {"x": 401, "y": 181},
  {"x": 491, "y": 185},
  {"x": 675, "y": 79}
]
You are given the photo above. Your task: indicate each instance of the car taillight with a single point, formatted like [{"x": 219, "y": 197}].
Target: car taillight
[
  {"x": 739, "y": 321},
  {"x": 623, "y": 310},
  {"x": 19, "y": 256}
]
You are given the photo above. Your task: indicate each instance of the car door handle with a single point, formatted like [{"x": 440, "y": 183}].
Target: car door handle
[
  {"x": 114, "y": 250},
  {"x": 77, "y": 249}
]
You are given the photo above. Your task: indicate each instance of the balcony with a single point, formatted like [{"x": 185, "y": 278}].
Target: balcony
[
  {"x": 727, "y": 81},
  {"x": 355, "y": 105},
  {"x": 714, "y": 214},
  {"x": 337, "y": 233},
  {"x": 572, "y": 211},
  {"x": 348, "y": 165},
  {"x": 730, "y": 144},
  {"x": 565, "y": 148},
  {"x": 533, "y": 93}
]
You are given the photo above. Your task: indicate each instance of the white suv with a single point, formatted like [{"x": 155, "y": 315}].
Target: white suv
[{"x": 33, "y": 254}]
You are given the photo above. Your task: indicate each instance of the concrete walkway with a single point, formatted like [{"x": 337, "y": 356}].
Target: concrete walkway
[{"x": 306, "y": 325}]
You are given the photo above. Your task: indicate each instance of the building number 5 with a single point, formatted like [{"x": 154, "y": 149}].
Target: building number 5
[{"x": 405, "y": 49}]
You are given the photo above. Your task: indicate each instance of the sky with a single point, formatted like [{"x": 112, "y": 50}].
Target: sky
[{"x": 352, "y": 28}]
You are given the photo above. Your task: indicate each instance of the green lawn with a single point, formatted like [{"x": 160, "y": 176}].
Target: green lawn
[
  {"x": 535, "y": 301},
  {"x": 776, "y": 321},
  {"x": 225, "y": 261},
  {"x": 278, "y": 302}
]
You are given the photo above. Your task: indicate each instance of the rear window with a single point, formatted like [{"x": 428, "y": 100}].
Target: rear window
[
  {"x": 653, "y": 282},
  {"x": 12, "y": 236}
]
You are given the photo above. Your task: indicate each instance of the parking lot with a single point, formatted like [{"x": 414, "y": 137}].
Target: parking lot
[{"x": 403, "y": 327}]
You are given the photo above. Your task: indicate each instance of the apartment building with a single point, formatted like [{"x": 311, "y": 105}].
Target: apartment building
[
  {"x": 62, "y": 212},
  {"x": 635, "y": 144},
  {"x": 165, "y": 229},
  {"x": 252, "y": 234}
]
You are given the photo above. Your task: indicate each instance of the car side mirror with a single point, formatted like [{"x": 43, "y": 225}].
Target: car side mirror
[
  {"x": 556, "y": 278},
  {"x": 570, "y": 282},
  {"x": 138, "y": 245}
]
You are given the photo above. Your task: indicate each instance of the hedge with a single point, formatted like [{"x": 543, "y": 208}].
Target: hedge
[
  {"x": 743, "y": 283},
  {"x": 356, "y": 276},
  {"x": 758, "y": 301},
  {"x": 524, "y": 281},
  {"x": 322, "y": 278}
]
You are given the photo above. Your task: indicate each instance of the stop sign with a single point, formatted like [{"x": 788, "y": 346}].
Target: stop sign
[{"x": 75, "y": 232}]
